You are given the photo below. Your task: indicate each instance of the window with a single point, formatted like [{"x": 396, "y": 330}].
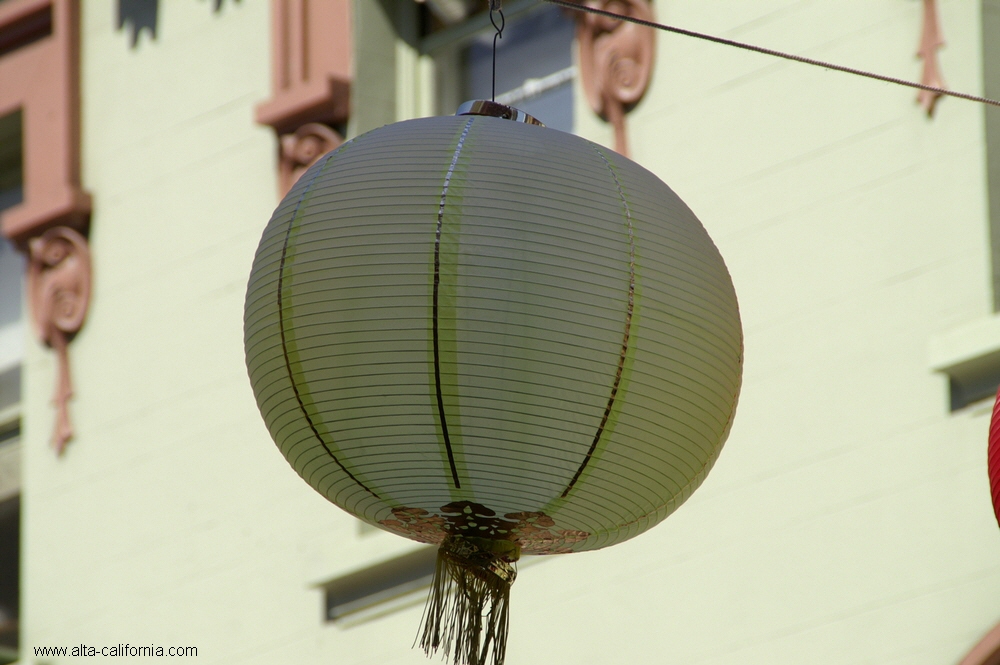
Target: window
[
  {"x": 11, "y": 156},
  {"x": 534, "y": 68},
  {"x": 11, "y": 352},
  {"x": 381, "y": 588},
  {"x": 970, "y": 356},
  {"x": 10, "y": 543},
  {"x": 11, "y": 267},
  {"x": 386, "y": 587},
  {"x": 41, "y": 36},
  {"x": 40, "y": 190},
  {"x": 11, "y": 329}
]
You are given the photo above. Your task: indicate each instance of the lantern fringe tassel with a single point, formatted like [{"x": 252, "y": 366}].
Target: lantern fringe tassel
[{"x": 466, "y": 614}]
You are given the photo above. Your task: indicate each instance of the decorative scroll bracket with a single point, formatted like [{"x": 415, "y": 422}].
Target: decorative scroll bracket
[
  {"x": 59, "y": 277},
  {"x": 40, "y": 71},
  {"x": 311, "y": 74},
  {"x": 301, "y": 149},
  {"x": 616, "y": 61},
  {"x": 931, "y": 40}
]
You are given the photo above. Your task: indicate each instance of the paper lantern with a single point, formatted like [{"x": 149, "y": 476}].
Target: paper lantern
[
  {"x": 481, "y": 333},
  {"x": 993, "y": 457}
]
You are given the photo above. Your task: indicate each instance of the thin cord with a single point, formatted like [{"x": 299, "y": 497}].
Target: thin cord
[
  {"x": 498, "y": 35},
  {"x": 568, "y": 4}
]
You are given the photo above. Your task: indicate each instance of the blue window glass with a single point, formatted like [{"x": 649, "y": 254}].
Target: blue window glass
[{"x": 534, "y": 66}]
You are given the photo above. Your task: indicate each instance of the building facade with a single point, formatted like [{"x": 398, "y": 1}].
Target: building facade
[{"x": 848, "y": 519}]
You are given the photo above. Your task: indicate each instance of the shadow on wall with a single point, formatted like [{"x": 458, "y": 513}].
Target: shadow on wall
[{"x": 141, "y": 15}]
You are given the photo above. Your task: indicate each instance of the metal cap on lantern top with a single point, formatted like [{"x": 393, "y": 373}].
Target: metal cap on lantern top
[
  {"x": 495, "y": 337},
  {"x": 496, "y": 110}
]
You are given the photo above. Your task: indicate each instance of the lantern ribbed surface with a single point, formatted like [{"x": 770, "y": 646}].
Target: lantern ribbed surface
[
  {"x": 470, "y": 325},
  {"x": 993, "y": 457}
]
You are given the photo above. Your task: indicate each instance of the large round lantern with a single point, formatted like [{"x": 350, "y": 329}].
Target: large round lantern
[
  {"x": 499, "y": 338},
  {"x": 993, "y": 457}
]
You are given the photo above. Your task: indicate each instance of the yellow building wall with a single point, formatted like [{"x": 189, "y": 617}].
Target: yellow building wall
[{"x": 848, "y": 519}]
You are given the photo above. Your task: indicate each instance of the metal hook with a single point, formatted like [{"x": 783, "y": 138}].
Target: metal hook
[{"x": 495, "y": 6}]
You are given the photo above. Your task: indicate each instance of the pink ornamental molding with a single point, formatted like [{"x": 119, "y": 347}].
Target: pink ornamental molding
[
  {"x": 987, "y": 652},
  {"x": 311, "y": 74},
  {"x": 931, "y": 40},
  {"x": 40, "y": 78},
  {"x": 311, "y": 67},
  {"x": 301, "y": 149},
  {"x": 616, "y": 61},
  {"x": 59, "y": 275}
]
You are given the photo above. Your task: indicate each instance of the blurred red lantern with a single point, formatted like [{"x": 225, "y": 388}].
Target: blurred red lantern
[{"x": 993, "y": 457}]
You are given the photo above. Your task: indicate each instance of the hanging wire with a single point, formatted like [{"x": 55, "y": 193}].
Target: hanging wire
[
  {"x": 569, "y": 4},
  {"x": 496, "y": 6}
]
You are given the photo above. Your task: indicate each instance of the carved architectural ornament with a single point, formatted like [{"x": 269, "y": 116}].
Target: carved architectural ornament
[
  {"x": 930, "y": 41},
  {"x": 310, "y": 78},
  {"x": 301, "y": 149},
  {"x": 616, "y": 60},
  {"x": 39, "y": 68},
  {"x": 59, "y": 272}
]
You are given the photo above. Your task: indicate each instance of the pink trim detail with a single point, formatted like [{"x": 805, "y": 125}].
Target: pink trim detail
[
  {"x": 39, "y": 70},
  {"x": 59, "y": 276},
  {"x": 987, "y": 652},
  {"x": 931, "y": 40},
  {"x": 311, "y": 73},
  {"x": 616, "y": 61},
  {"x": 41, "y": 77},
  {"x": 302, "y": 149}
]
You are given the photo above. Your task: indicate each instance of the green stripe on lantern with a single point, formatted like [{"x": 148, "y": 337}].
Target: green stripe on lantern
[
  {"x": 447, "y": 233},
  {"x": 293, "y": 362}
]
